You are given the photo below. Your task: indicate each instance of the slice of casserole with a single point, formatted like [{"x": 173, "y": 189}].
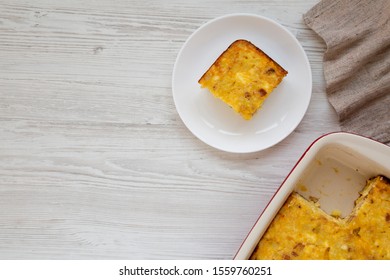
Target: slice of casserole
[
  {"x": 243, "y": 76},
  {"x": 301, "y": 230}
]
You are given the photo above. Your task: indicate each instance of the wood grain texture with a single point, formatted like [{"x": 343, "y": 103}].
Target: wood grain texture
[{"x": 95, "y": 162}]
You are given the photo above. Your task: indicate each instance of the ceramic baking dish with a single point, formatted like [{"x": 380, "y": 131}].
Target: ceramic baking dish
[{"x": 334, "y": 169}]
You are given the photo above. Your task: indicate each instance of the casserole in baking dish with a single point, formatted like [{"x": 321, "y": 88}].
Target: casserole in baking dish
[{"x": 333, "y": 205}]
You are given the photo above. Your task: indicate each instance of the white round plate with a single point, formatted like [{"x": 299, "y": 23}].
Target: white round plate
[{"x": 214, "y": 122}]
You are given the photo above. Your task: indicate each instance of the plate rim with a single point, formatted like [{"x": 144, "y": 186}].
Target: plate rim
[{"x": 291, "y": 36}]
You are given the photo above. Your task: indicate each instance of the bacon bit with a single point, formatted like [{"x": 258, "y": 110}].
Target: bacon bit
[
  {"x": 387, "y": 217},
  {"x": 356, "y": 231},
  {"x": 262, "y": 92},
  {"x": 316, "y": 229},
  {"x": 299, "y": 246},
  {"x": 270, "y": 71}
]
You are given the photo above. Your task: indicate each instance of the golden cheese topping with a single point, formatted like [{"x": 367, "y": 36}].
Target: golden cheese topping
[
  {"x": 243, "y": 76},
  {"x": 301, "y": 230}
]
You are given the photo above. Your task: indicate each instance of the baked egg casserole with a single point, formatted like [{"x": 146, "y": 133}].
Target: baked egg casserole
[
  {"x": 301, "y": 230},
  {"x": 243, "y": 76}
]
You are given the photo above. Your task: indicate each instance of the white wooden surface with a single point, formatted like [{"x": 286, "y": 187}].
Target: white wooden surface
[{"x": 95, "y": 162}]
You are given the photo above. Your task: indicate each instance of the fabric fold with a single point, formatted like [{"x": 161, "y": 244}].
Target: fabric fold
[{"x": 356, "y": 62}]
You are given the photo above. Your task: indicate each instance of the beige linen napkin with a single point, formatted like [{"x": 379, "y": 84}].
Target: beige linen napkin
[{"x": 356, "y": 62}]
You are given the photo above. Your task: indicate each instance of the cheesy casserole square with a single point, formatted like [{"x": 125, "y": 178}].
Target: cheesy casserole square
[{"x": 243, "y": 76}]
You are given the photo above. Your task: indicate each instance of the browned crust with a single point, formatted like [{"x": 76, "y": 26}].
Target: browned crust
[
  {"x": 248, "y": 43},
  {"x": 385, "y": 179}
]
